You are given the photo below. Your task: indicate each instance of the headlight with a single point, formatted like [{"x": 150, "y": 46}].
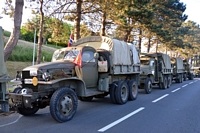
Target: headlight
[
  {"x": 46, "y": 76},
  {"x": 33, "y": 72}
]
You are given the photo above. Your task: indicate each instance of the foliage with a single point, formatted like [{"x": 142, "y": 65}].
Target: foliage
[
  {"x": 6, "y": 33},
  {"x": 26, "y": 34},
  {"x": 25, "y": 54}
]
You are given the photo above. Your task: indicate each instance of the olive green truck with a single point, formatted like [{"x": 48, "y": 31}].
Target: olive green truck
[
  {"x": 4, "y": 78},
  {"x": 93, "y": 67},
  {"x": 155, "y": 70},
  {"x": 178, "y": 69}
]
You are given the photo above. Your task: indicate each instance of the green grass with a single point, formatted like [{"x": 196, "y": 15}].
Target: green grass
[
  {"x": 6, "y": 33},
  {"x": 25, "y": 54}
]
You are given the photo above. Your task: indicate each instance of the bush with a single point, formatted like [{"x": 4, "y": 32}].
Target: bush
[{"x": 26, "y": 35}]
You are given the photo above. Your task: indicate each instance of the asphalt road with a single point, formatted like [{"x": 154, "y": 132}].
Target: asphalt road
[{"x": 174, "y": 110}]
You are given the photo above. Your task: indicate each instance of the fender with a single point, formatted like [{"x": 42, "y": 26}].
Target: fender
[{"x": 78, "y": 85}]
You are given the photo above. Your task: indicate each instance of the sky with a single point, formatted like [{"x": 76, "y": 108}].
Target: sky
[{"x": 192, "y": 10}]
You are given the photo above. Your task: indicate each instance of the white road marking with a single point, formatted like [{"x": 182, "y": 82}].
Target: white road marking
[
  {"x": 11, "y": 122},
  {"x": 185, "y": 85},
  {"x": 190, "y": 82},
  {"x": 176, "y": 90},
  {"x": 120, "y": 120},
  {"x": 160, "y": 98}
]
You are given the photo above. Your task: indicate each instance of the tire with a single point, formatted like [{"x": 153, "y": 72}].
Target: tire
[
  {"x": 169, "y": 81},
  {"x": 63, "y": 104},
  {"x": 122, "y": 92},
  {"x": 160, "y": 85},
  {"x": 112, "y": 92},
  {"x": 192, "y": 76},
  {"x": 164, "y": 83},
  {"x": 133, "y": 90},
  {"x": 148, "y": 86},
  {"x": 17, "y": 90},
  {"x": 27, "y": 111},
  {"x": 181, "y": 78},
  {"x": 85, "y": 98},
  {"x": 184, "y": 77}
]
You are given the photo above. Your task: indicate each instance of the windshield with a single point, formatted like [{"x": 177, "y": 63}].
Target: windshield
[
  {"x": 144, "y": 62},
  {"x": 71, "y": 55},
  {"x": 65, "y": 55}
]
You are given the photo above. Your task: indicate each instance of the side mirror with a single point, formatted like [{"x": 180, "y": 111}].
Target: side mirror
[{"x": 96, "y": 55}]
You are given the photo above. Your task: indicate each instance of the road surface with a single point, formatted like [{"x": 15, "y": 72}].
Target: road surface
[{"x": 174, "y": 110}]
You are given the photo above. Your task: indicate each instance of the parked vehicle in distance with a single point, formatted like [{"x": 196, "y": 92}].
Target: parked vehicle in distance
[
  {"x": 155, "y": 69},
  {"x": 92, "y": 68},
  {"x": 189, "y": 71},
  {"x": 178, "y": 69}
]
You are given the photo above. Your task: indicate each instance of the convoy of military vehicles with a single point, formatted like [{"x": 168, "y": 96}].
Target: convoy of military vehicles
[{"x": 94, "y": 67}]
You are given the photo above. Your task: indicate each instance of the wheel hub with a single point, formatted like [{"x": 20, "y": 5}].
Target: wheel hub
[{"x": 66, "y": 105}]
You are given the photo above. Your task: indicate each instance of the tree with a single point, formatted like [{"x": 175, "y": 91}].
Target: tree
[{"x": 12, "y": 42}]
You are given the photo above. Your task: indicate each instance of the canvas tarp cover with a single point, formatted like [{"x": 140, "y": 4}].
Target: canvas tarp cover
[
  {"x": 120, "y": 50},
  {"x": 179, "y": 63},
  {"x": 167, "y": 62},
  {"x": 3, "y": 71}
]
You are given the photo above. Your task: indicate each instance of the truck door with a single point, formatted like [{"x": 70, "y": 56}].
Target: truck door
[{"x": 89, "y": 68}]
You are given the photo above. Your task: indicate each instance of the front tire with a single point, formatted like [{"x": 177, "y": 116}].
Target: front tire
[
  {"x": 148, "y": 86},
  {"x": 169, "y": 81},
  {"x": 27, "y": 111},
  {"x": 164, "y": 83},
  {"x": 63, "y": 104}
]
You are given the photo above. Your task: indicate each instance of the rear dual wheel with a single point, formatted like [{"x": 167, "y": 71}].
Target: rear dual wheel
[{"x": 122, "y": 91}]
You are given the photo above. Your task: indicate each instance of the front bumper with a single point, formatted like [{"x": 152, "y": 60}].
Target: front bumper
[{"x": 23, "y": 100}]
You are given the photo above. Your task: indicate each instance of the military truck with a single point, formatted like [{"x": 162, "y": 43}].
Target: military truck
[
  {"x": 196, "y": 64},
  {"x": 4, "y": 77},
  {"x": 178, "y": 69},
  {"x": 155, "y": 70},
  {"x": 189, "y": 71},
  {"x": 93, "y": 67}
]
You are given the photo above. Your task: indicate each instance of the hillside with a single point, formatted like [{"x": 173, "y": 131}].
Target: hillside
[{"x": 14, "y": 66}]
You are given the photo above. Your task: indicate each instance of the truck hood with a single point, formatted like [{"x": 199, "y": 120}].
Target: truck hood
[{"x": 51, "y": 65}]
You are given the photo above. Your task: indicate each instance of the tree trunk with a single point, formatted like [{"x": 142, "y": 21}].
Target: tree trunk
[
  {"x": 77, "y": 21},
  {"x": 140, "y": 39},
  {"x": 149, "y": 45},
  {"x": 127, "y": 35},
  {"x": 103, "y": 24},
  {"x": 156, "y": 45},
  {"x": 40, "y": 33},
  {"x": 12, "y": 42}
]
